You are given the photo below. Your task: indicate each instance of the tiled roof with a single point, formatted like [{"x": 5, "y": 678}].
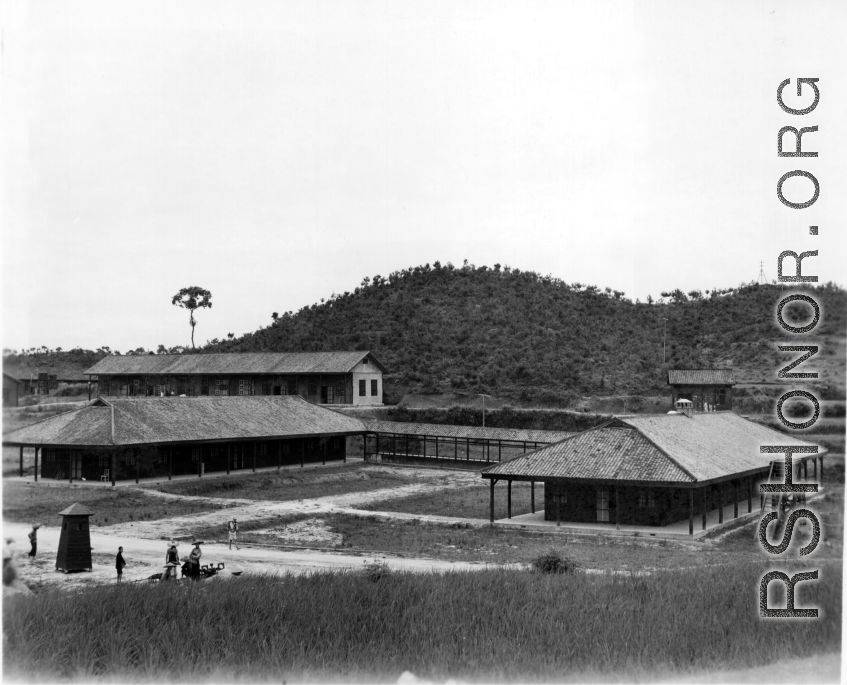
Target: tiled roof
[
  {"x": 236, "y": 363},
  {"x": 700, "y": 377},
  {"x": 603, "y": 453},
  {"x": 472, "y": 432},
  {"x": 712, "y": 444},
  {"x": 190, "y": 419},
  {"x": 28, "y": 368},
  {"x": 664, "y": 447}
]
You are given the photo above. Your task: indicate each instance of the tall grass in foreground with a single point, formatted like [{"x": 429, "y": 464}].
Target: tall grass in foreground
[{"x": 491, "y": 625}]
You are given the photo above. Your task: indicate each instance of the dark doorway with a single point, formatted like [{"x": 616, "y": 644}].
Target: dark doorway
[
  {"x": 324, "y": 394},
  {"x": 277, "y": 390}
]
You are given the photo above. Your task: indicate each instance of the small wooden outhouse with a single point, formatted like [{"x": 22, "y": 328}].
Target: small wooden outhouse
[{"x": 75, "y": 541}]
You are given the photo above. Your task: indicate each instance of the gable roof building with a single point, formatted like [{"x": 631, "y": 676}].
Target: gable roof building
[
  {"x": 352, "y": 377},
  {"x": 707, "y": 389}
]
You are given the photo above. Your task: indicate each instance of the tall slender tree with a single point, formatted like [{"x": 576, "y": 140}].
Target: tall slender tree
[{"x": 192, "y": 298}]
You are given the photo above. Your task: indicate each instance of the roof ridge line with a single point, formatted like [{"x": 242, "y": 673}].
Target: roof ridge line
[{"x": 669, "y": 457}]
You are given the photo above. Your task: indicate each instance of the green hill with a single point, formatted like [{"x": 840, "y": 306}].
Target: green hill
[{"x": 519, "y": 335}]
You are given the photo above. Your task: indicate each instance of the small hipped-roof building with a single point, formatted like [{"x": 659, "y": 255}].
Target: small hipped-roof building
[
  {"x": 114, "y": 439},
  {"x": 653, "y": 470},
  {"x": 708, "y": 389}
]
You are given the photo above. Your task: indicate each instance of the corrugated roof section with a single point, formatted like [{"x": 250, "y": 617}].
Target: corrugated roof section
[
  {"x": 700, "y": 377},
  {"x": 163, "y": 420},
  {"x": 599, "y": 453},
  {"x": 246, "y": 363},
  {"x": 472, "y": 432}
]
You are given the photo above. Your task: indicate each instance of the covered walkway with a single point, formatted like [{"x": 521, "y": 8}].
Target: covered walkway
[{"x": 453, "y": 445}]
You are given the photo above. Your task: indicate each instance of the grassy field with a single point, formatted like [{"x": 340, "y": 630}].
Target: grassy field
[
  {"x": 26, "y": 503},
  {"x": 471, "y": 502},
  {"x": 291, "y": 485},
  {"x": 488, "y": 625}
]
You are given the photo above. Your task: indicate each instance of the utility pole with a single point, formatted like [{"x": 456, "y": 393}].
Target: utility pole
[{"x": 483, "y": 396}]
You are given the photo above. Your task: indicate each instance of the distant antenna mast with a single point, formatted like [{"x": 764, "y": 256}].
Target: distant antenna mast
[{"x": 762, "y": 280}]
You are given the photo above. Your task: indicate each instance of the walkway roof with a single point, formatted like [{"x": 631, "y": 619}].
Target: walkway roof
[
  {"x": 463, "y": 432},
  {"x": 131, "y": 422},
  {"x": 666, "y": 448}
]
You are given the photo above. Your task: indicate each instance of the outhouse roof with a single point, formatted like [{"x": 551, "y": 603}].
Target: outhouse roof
[
  {"x": 655, "y": 448},
  {"x": 700, "y": 377},
  {"x": 118, "y": 422},
  {"x": 232, "y": 363},
  {"x": 76, "y": 509}
]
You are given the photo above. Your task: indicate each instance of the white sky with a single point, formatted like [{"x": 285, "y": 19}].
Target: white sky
[{"x": 276, "y": 152}]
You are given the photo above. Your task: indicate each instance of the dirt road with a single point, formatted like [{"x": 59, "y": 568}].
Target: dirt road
[{"x": 144, "y": 542}]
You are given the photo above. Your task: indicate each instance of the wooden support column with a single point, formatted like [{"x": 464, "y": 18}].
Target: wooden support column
[
  {"x": 720, "y": 503},
  {"x": 499, "y": 450},
  {"x": 71, "y": 467},
  {"x": 170, "y": 463},
  {"x": 491, "y": 502},
  {"x": 377, "y": 444},
  {"x": 805, "y": 469},
  {"x": 424, "y": 446},
  {"x": 394, "y": 443},
  {"x": 468, "y": 450},
  {"x": 509, "y": 500},
  {"x": 200, "y": 462},
  {"x": 137, "y": 455},
  {"x": 456, "y": 449},
  {"x": 558, "y": 505},
  {"x": 36, "y": 464},
  {"x": 617, "y": 509},
  {"x": 114, "y": 470},
  {"x": 436, "y": 447},
  {"x": 322, "y": 445},
  {"x": 89, "y": 388},
  {"x": 735, "y": 497},
  {"x": 749, "y": 494},
  {"x": 279, "y": 455},
  {"x": 524, "y": 447},
  {"x": 407, "y": 444},
  {"x": 228, "y": 456},
  {"x": 821, "y": 461},
  {"x": 691, "y": 511},
  {"x": 532, "y": 495},
  {"x": 815, "y": 469},
  {"x": 705, "y": 504},
  {"x": 302, "y": 451},
  {"x": 21, "y": 471},
  {"x": 254, "y": 456}
]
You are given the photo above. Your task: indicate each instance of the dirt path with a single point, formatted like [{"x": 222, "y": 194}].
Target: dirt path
[
  {"x": 247, "y": 510},
  {"x": 144, "y": 541}
]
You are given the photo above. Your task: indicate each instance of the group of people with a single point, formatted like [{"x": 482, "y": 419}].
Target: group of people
[{"x": 191, "y": 564}]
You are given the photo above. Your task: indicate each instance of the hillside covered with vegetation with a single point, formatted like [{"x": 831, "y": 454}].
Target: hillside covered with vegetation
[{"x": 516, "y": 334}]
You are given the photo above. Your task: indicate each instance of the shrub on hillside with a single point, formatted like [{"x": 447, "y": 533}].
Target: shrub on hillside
[{"x": 376, "y": 571}]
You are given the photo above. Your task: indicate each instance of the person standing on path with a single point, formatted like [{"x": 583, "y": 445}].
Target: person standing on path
[
  {"x": 171, "y": 561},
  {"x": 232, "y": 528},
  {"x": 120, "y": 563},
  {"x": 33, "y": 540},
  {"x": 194, "y": 560}
]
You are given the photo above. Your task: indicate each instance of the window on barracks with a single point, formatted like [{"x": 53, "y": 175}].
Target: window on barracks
[
  {"x": 313, "y": 387},
  {"x": 647, "y": 499},
  {"x": 374, "y": 388},
  {"x": 362, "y": 388},
  {"x": 263, "y": 449},
  {"x": 267, "y": 387},
  {"x": 244, "y": 386}
]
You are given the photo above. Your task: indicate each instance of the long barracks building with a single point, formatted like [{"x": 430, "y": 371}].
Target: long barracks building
[{"x": 340, "y": 378}]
